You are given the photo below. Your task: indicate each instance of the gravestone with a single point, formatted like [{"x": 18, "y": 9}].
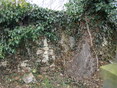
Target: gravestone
[
  {"x": 83, "y": 63},
  {"x": 109, "y": 73}
]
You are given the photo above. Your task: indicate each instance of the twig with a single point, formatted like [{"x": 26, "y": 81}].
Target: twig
[{"x": 91, "y": 40}]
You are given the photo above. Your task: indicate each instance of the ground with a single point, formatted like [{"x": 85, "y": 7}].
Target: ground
[
  {"x": 47, "y": 77},
  {"x": 48, "y": 80}
]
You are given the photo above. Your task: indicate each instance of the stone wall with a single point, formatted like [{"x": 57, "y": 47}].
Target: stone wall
[{"x": 75, "y": 57}]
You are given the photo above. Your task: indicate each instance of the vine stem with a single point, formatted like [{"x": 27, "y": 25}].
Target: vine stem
[
  {"x": 91, "y": 40},
  {"x": 88, "y": 29}
]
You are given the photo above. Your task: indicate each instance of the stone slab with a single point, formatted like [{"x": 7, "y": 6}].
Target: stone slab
[{"x": 109, "y": 73}]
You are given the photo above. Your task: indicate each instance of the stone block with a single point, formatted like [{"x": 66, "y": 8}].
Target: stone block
[{"x": 109, "y": 73}]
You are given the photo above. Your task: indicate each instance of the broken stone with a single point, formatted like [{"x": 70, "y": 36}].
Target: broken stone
[
  {"x": 38, "y": 60},
  {"x": 4, "y": 63},
  {"x": 83, "y": 64},
  {"x": 53, "y": 57},
  {"x": 51, "y": 52},
  {"x": 45, "y": 42},
  {"x": 39, "y": 52},
  {"x": 64, "y": 42},
  {"x": 44, "y": 69},
  {"x": 45, "y": 57},
  {"x": 26, "y": 69},
  {"x": 24, "y": 66},
  {"x": 46, "y": 48},
  {"x": 23, "y": 86},
  {"x": 46, "y": 52},
  {"x": 72, "y": 42},
  {"x": 52, "y": 65},
  {"x": 29, "y": 78},
  {"x": 24, "y": 63}
]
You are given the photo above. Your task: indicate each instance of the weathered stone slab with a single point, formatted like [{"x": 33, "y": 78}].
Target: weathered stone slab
[
  {"x": 83, "y": 64},
  {"x": 109, "y": 73}
]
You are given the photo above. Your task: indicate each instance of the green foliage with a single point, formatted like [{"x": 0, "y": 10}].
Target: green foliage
[
  {"x": 91, "y": 7},
  {"x": 23, "y": 22},
  {"x": 102, "y": 18},
  {"x": 10, "y": 14},
  {"x": 104, "y": 10},
  {"x": 21, "y": 35},
  {"x": 75, "y": 8}
]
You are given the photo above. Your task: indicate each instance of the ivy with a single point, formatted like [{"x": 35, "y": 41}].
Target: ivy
[
  {"x": 23, "y": 22},
  {"x": 11, "y": 15},
  {"x": 26, "y": 23},
  {"x": 102, "y": 18}
]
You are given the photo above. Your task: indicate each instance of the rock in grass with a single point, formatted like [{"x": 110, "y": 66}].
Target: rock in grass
[{"x": 29, "y": 78}]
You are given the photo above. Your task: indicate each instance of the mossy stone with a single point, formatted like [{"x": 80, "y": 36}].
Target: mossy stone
[{"x": 109, "y": 73}]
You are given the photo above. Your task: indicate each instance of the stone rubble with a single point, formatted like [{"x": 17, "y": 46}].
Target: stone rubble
[{"x": 29, "y": 78}]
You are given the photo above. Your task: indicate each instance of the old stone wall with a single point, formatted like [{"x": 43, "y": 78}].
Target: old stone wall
[{"x": 75, "y": 57}]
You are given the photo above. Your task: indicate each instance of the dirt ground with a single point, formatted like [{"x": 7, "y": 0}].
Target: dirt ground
[{"x": 47, "y": 77}]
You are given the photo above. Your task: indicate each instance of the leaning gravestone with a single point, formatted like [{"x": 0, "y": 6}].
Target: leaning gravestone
[
  {"x": 83, "y": 63},
  {"x": 109, "y": 73}
]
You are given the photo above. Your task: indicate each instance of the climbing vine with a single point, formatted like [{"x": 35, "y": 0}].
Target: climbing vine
[
  {"x": 101, "y": 18},
  {"x": 25, "y": 22},
  {"x": 20, "y": 22}
]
